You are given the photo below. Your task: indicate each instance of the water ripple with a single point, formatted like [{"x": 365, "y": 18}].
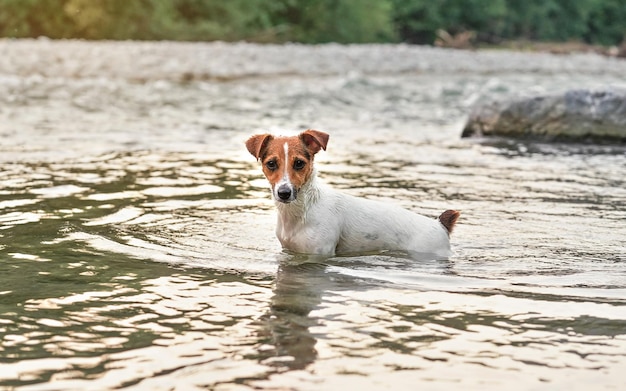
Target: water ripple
[{"x": 138, "y": 249}]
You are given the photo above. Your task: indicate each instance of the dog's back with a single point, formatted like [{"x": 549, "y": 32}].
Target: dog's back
[{"x": 367, "y": 225}]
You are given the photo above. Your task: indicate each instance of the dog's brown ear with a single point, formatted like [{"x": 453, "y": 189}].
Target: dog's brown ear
[
  {"x": 314, "y": 140},
  {"x": 257, "y": 143}
]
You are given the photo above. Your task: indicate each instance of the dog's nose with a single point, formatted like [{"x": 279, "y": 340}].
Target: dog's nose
[{"x": 284, "y": 192}]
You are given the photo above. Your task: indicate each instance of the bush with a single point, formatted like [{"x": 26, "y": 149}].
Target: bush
[
  {"x": 606, "y": 23},
  {"x": 32, "y": 18},
  {"x": 417, "y": 21},
  {"x": 344, "y": 21},
  {"x": 591, "y": 21}
]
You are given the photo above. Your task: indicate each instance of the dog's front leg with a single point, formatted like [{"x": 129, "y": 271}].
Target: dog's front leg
[{"x": 309, "y": 241}]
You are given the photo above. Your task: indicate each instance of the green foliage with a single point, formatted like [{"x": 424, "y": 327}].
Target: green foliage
[
  {"x": 607, "y": 23},
  {"x": 213, "y": 19},
  {"x": 312, "y": 21},
  {"x": 32, "y": 18},
  {"x": 592, "y": 21},
  {"x": 552, "y": 20},
  {"x": 101, "y": 19},
  {"x": 136, "y": 19},
  {"x": 417, "y": 21},
  {"x": 343, "y": 21}
]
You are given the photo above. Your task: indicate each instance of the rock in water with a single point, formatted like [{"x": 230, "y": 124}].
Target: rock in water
[{"x": 577, "y": 115}]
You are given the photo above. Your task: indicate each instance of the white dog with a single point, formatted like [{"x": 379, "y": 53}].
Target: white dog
[{"x": 315, "y": 219}]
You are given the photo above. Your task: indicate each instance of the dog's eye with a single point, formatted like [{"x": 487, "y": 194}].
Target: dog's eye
[
  {"x": 271, "y": 165},
  {"x": 299, "y": 164}
]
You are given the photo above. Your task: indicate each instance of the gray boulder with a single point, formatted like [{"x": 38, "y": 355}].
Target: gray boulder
[{"x": 577, "y": 115}]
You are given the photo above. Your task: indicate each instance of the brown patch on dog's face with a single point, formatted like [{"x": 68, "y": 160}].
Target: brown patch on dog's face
[
  {"x": 287, "y": 161},
  {"x": 287, "y": 165}
]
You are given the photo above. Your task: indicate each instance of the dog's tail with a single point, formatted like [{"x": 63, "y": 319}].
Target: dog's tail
[{"x": 449, "y": 218}]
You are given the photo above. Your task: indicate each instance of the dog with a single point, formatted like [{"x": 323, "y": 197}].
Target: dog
[{"x": 315, "y": 219}]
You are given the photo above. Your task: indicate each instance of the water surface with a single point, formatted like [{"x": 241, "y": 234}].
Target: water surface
[{"x": 137, "y": 247}]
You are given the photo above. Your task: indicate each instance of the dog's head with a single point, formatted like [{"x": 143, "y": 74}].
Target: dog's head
[{"x": 287, "y": 161}]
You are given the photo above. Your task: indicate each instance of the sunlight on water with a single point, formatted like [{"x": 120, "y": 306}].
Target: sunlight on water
[{"x": 138, "y": 249}]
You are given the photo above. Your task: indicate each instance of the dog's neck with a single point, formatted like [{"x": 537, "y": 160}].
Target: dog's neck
[{"x": 297, "y": 210}]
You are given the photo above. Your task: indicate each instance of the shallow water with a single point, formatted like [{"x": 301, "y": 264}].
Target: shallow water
[{"x": 137, "y": 245}]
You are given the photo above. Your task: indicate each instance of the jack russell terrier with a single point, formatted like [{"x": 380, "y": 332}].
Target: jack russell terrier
[{"x": 315, "y": 219}]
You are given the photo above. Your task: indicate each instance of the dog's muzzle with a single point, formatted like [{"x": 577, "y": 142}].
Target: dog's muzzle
[{"x": 285, "y": 193}]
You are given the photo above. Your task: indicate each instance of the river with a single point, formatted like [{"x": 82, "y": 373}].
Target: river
[{"x": 137, "y": 246}]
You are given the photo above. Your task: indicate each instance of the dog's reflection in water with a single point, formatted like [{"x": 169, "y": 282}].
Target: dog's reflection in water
[{"x": 285, "y": 333}]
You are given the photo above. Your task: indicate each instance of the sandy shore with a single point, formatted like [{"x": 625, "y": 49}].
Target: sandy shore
[{"x": 218, "y": 60}]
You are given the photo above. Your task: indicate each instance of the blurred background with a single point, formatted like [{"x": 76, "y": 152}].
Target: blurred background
[{"x": 456, "y": 23}]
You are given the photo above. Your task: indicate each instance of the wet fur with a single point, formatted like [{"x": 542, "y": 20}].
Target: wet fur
[{"x": 313, "y": 218}]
